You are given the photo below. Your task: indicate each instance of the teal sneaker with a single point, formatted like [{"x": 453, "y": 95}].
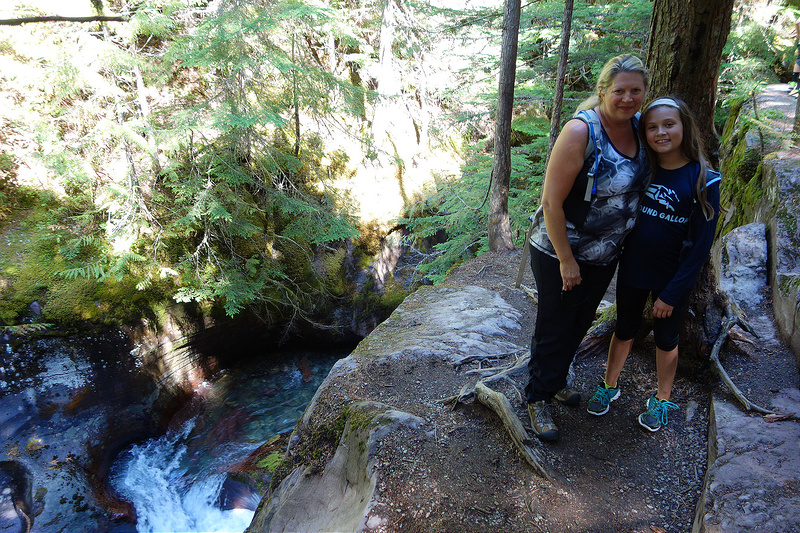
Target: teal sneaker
[
  {"x": 603, "y": 396},
  {"x": 656, "y": 414}
]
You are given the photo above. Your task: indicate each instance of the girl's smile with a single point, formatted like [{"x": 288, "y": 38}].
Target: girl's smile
[{"x": 664, "y": 132}]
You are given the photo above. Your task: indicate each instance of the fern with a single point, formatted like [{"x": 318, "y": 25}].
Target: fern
[
  {"x": 20, "y": 330},
  {"x": 88, "y": 271}
]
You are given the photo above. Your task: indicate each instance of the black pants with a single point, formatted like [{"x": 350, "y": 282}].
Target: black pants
[
  {"x": 562, "y": 320},
  {"x": 630, "y": 306}
]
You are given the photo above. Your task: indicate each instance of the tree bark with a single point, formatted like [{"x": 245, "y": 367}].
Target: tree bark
[
  {"x": 499, "y": 225},
  {"x": 684, "y": 55},
  {"x": 561, "y": 74}
]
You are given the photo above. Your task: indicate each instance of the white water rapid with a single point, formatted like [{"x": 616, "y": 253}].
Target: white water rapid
[{"x": 154, "y": 477}]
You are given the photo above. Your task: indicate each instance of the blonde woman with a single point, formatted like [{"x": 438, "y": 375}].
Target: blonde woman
[{"x": 579, "y": 228}]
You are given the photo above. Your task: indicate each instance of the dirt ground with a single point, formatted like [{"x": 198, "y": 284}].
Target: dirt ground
[{"x": 609, "y": 475}]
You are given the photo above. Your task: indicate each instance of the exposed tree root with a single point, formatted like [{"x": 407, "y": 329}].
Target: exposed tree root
[
  {"x": 483, "y": 358},
  {"x": 499, "y": 403},
  {"x": 734, "y": 316}
]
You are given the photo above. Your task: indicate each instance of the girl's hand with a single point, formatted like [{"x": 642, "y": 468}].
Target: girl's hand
[
  {"x": 570, "y": 274},
  {"x": 661, "y": 310}
]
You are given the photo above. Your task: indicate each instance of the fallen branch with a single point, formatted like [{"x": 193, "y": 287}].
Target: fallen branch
[
  {"x": 734, "y": 316},
  {"x": 497, "y": 402},
  {"x": 57, "y": 18}
]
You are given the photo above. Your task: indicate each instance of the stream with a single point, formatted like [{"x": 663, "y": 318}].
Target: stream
[{"x": 82, "y": 453}]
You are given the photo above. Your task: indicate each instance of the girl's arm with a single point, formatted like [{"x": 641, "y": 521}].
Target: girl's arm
[
  {"x": 703, "y": 230},
  {"x": 566, "y": 161}
]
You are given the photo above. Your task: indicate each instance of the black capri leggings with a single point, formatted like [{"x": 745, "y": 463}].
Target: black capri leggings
[{"x": 630, "y": 306}]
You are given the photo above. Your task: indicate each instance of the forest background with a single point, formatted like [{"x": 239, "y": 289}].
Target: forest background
[{"x": 254, "y": 156}]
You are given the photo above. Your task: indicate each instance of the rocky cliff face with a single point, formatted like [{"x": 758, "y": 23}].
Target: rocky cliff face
[
  {"x": 369, "y": 439},
  {"x": 762, "y": 184}
]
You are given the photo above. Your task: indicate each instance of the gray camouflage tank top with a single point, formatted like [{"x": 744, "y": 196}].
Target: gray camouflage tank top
[{"x": 621, "y": 180}]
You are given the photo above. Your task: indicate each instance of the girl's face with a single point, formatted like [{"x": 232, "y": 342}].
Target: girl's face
[
  {"x": 623, "y": 98},
  {"x": 664, "y": 131}
]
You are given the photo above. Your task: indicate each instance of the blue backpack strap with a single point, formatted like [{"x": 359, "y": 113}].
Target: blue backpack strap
[{"x": 593, "y": 121}]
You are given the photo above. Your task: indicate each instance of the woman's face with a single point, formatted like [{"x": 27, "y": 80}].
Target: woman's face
[{"x": 624, "y": 96}]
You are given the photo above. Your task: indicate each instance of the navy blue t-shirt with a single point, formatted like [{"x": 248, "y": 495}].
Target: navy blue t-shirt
[{"x": 653, "y": 256}]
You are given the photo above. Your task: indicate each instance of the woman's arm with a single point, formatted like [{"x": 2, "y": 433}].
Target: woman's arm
[{"x": 566, "y": 161}]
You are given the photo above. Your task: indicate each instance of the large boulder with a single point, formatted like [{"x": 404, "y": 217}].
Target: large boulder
[{"x": 373, "y": 411}]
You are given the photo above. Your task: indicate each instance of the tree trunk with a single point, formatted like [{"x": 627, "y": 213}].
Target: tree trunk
[
  {"x": 684, "y": 54},
  {"x": 499, "y": 226},
  {"x": 796, "y": 127},
  {"x": 563, "y": 57}
]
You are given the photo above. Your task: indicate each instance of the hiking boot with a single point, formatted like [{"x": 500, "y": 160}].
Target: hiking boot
[
  {"x": 541, "y": 414},
  {"x": 568, "y": 396},
  {"x": 603, "y": 396},
  {"x": 656, "y": 414}
]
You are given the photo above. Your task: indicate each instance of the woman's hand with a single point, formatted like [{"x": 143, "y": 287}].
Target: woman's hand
[
  {"x": 661, "y": 310},
  {"x": 570, "y": 274}
]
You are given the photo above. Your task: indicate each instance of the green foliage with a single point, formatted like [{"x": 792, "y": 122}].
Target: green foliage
[
  {"x": 190, "y": 149},
  {"x": 271, "y": 462},
  {"x": 8, "y": 184},
  {"x": 33, "y": 268},
  {"x": 759, "y": 51},
  {"x": 599, "y": 31},
  {"x": 212, "y": 197},
  {"x": 457, "y": 209},
  {"x": 763, "y": 33},
  {"x": 25, "y": 329},
  {"x": 450, "y": 225}
]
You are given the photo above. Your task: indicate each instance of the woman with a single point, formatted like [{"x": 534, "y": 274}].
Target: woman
[{"x": 576, "y": 238}]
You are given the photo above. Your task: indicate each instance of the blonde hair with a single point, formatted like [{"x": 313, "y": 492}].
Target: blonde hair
[
  {"x": 692, "y": 146},
  {"x": 615, "y": 65}
]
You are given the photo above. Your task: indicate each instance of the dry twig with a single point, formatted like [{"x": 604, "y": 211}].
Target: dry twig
[{"x": 734, "y": 316}]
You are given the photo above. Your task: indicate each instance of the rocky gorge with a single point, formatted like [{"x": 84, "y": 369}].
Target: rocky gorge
[
  {"x": 379, "y": 447},
  {"x": 402, "y": 458}
]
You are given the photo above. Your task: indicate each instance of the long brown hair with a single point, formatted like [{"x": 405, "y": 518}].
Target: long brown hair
[{"x": 692, "y": 146}]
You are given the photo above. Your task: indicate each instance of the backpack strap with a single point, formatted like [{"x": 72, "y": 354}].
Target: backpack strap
[
  {"x": 593, "y": 121},
  {"x": 712, "y": 176},
  {"x": 589, "y": 116}
]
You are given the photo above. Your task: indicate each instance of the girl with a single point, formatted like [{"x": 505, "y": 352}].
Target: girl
[
  {"x": 664, "y": 253},
  {"x": 576, "y": 236}
]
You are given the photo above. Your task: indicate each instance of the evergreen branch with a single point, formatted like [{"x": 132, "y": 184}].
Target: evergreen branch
[
  {"x": 24, "y": 329},
  {"x": 56, "y": 18}
]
